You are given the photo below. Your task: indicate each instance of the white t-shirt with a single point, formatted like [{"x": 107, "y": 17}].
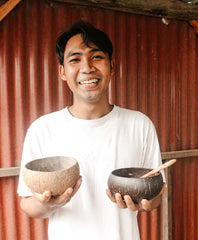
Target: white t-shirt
[{"x": 122, "y": 138}]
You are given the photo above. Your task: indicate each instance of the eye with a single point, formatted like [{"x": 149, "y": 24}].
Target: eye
[
  {"x": 74, "y": 60},
  {"x": 97, "y": 57}
]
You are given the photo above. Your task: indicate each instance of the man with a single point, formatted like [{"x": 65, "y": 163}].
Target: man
[{"x": 100, "y": 136}]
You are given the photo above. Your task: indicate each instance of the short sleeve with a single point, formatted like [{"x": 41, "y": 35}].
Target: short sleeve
[
  {"x": 151, "y": 152},
  {"x": 31, "y": 151}
]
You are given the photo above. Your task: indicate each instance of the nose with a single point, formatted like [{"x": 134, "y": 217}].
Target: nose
[{"x": 87, "y": 66}]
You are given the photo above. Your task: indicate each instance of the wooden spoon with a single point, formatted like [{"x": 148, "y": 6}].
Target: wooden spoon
[{"x": 163, "y": 166}]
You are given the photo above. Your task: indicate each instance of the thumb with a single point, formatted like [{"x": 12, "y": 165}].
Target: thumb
[
  {"x": 145, "y": 204},
  {"x": 45, "y": 197}
]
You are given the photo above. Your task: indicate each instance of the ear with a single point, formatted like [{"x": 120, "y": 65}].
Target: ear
[
  {"x": 62, "y": 72},
  {"x": 112, "y": 67}
]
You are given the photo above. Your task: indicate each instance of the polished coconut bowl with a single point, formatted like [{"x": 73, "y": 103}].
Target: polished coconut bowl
[
  {"x": 55, "y": 174},
  {"x": 127, "y": 181}
]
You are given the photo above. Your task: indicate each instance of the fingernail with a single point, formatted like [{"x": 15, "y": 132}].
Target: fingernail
[
  {"x": 80, "y": 181},
  {"x": 70, "y": 190}
]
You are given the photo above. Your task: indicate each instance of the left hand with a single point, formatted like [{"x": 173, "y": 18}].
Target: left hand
[{"x": 144, "y": 205}]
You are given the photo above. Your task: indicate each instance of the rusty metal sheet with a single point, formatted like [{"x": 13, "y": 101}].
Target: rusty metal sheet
[{"x": 156, "y": 73}]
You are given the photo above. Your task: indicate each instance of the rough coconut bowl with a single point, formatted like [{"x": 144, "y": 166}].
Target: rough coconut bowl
[
  {"x": 55, "y": 174},
  {"x": 127, "y": 181}
]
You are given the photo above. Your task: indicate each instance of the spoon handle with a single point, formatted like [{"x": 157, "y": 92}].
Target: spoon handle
[{"x": 163, "y": 166}]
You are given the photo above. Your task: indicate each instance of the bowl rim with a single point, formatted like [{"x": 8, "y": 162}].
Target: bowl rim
[
  {"x": 127, "y": 168},
  {"x": 48, "y": 172}
]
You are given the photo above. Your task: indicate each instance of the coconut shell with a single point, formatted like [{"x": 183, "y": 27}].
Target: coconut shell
[
  {"x": 55, "y": 174},
  {"x": 127, "y": 181}
]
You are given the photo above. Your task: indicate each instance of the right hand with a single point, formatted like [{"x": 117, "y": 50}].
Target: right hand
[{"x": 55, "y": 202}]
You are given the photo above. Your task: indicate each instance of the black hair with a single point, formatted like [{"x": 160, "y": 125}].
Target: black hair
[{"x": 89, "y": 34}]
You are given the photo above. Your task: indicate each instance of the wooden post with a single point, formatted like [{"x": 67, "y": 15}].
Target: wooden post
[
  {"x": 167, "y": 206},
  {"x": 167, "y": 196}
]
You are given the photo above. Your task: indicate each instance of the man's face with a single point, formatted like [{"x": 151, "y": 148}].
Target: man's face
[{"x": 87, "y": 71}]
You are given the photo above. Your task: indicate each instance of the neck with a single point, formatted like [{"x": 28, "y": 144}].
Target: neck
[{"x": 90, "y": 111}]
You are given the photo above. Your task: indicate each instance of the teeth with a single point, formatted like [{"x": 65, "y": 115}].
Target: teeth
[{"x": 89, "y": 81}]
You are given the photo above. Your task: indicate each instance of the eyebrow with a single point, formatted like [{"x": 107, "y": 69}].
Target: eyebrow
[{"x": 70, "y": 54}]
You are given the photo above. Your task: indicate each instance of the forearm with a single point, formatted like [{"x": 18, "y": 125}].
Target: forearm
[{"x": 34, "y": 208}]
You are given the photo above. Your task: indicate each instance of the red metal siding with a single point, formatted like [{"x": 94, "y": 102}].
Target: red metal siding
[{"x": 156, "y": 73}]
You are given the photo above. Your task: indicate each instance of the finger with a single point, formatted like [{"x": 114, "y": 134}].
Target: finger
[
  {"x": 120, "y": 201},
  {"x": 145, "y": 205},
  {"x": 130, "y": 204},
  {"x": 45, "y": 197},
  {"x": 65, "y": 197},
  {"x": 110, "y": 195},
  {"x": 77, "y": 186},
  {"x": 163, "y": 188},
  {"x": 68, "y": 194}
]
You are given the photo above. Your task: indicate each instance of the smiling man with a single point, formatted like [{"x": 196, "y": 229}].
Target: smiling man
[
  {"x": 87, "y": 70},
  {"x": 101, "y": 136}
]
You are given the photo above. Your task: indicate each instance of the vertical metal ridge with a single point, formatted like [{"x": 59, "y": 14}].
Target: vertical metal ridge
[
  {"x": 18, "y": 92},
  {"x": 5, "y": 103},
  {"x": 120, "y": 47},
  {"x": 131, "y": 67},
  {"x": 144, "y": 225},
  {"x": 156, "y": 73},
  {"x": 9, "y": 209}
]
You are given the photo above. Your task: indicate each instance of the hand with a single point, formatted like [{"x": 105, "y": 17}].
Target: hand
[
  {"x": 144, "y": 205},
  {"x": 43, "y": 205},
  {"x": 60, "y": 200}
]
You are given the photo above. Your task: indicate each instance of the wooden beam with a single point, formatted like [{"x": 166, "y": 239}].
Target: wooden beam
[
  {"x": 7, "y": 7},
  {"x": 180, "y": 154},
  {"x": 9, "y": 172},
  {"x": 14, "y": 171},
  {"x": 173, "y": 9}
]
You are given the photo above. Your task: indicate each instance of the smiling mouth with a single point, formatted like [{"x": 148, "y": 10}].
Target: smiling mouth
[{"x": 89, "y": 82}]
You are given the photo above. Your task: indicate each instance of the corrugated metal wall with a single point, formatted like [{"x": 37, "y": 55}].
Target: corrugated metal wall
[{"x": 156, "y": 73}]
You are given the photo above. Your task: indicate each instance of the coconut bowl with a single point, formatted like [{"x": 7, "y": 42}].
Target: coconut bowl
[
  {"x": 127, "y": 181},
  {"x": 55, "y": 174}
]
